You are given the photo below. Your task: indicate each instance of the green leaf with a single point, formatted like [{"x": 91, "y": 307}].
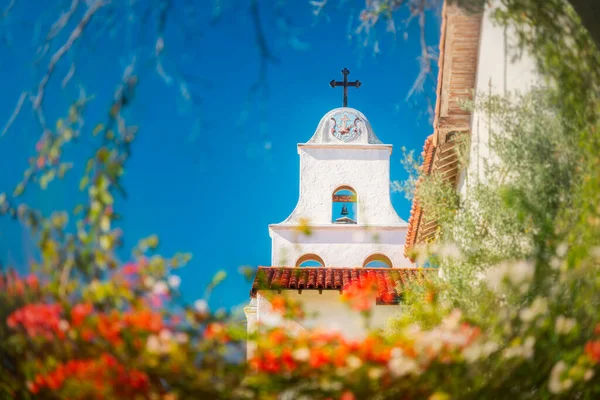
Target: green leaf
[
  {"x": 99, "y": 128},
  {"x": 152, "y": 242},
  {"x": 218, "y": 278},
  {"x": 83, "y": 183},
  {"x": 19, "y": 189}
]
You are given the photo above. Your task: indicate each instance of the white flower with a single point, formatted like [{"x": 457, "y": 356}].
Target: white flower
[
  {"x": 479, "y": 351},
  {"x": 375, "y": 373},
  {"x": 302, "y": 354},
  {"x": 555, "y": 384},
  {"x": 589, "y": 374},
  {"x": 448, "y": 251},
  {"x": 528, "y": 347},
  {"x": 561, "y": 250},
  {"x": 564, "y": 326},
  {"x": 181, "y": 337},
  {"x": 149, "y": 281},
  {"x": 396, "y": 352},
  {"x": 452, "y": 321},
  {"x": 201, "y": 306},
  {"x": 353, "y": 362},
  {"x": 272, "y": 320},
  {"x": 160, "y": 287},
  {"x": 555, "y": 263},
  {"x": 165, "y": 335},
  {"x": 400, "y": 366},
  {"x": 538, "y": 307},
  {"x": 525, "y": 350},
  {"x": 63, "y": 325},
  {"x": 174, "y": 281},
  {"x": 519, "y": 274},
  {"x": 153, "y": 344},
  {"x": 328, "y": 386}
]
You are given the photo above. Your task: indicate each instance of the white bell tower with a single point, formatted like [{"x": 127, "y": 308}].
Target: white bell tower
[{"x": 344, "y": 216}]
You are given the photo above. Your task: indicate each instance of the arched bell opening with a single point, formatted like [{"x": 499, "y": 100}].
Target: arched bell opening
[
  {"x": 310, "y": 260},
  {"x": 343, "y": 205},
  {"x": 377, "y": 261}
]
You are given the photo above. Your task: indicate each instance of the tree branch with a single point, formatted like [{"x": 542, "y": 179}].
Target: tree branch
[
  {"x": 75, "y": 34},
  {"x": 15, "y": 113}
]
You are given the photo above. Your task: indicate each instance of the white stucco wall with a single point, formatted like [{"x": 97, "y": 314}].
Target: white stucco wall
[
  {"x": 501, "y": 69},
  {"x": 365, "y": 168},
  {"x": 339, "y": 245}
]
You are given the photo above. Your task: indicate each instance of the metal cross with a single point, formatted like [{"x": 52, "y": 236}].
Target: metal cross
[{"x": 345, "y": 84}]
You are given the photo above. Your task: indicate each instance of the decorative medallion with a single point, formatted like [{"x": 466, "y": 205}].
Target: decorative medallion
[{"x": 345, "y": 126}]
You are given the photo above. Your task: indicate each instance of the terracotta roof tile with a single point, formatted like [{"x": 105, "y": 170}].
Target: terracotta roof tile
[{"x": 391, "y": 282}]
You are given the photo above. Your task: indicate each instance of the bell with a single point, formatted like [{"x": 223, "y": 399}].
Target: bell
[{"x": 344, "y": 210}]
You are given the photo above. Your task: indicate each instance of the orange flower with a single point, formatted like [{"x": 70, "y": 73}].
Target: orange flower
[
  {"x": 216, "y": 330},
  {"x": 361, "y": 294},
  {"x": 277, "y": 336},
  {"x": 318, "y": 358},
  {"x": 145, "y": 320},
  {"x": 347, "y": 396},
  {"x": 109, "y": 327},
  {"x": 278, "y": 303}
]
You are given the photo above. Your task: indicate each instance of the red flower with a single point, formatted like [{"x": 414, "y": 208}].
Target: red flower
[
  {"x": 37, "y": 319},
  {"x": 216, "y": 330},
  {"x": 79, "y": 312},
  {"x": 130, "y": 269},
  {"x": 288, "y": 360},
  {"x": 592, "y": 349},
  {"x": 105, "y": 372},
  {"x": 40, "y": 162}
]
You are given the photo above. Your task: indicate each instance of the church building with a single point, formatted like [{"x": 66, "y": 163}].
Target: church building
[{"x": 343, "y": 229}]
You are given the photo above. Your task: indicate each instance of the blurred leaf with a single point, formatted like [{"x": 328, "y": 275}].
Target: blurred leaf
[
  {"x": 83, "y": 183},
  {"x": 19, "y": 189},
  {"x": 98, "y": 129},
  {"x": 152, "y": 242},
  {"x": 218, "y": 278},
  {"x": 247, "y": 272}
]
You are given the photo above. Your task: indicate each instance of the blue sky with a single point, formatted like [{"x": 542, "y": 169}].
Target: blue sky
[{"x": 209, "y": 175}]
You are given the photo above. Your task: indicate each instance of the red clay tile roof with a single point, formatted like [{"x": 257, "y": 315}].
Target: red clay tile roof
[
  {"x": 416, "y": 212},
  {"x": 459, "y": 52},
  {"x": 391, "y": 282}
]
